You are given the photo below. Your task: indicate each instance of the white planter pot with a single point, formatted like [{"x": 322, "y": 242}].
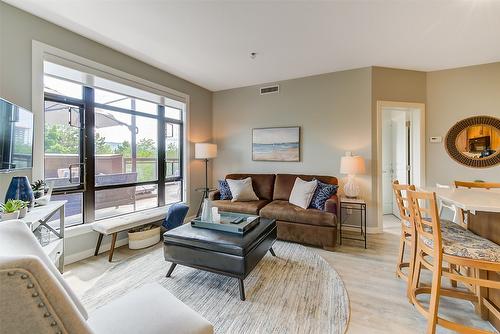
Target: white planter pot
[
  {"x": 23, "y": 212},
  {"x": 143, "y": 239},
  {"x": 10, "y": 216}
]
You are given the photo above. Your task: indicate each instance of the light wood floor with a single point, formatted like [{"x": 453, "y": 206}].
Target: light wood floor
[{"x": 377, "y": 298}]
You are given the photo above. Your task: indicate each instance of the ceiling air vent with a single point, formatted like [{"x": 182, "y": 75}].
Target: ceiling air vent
[{"x": 269, "y": 90}]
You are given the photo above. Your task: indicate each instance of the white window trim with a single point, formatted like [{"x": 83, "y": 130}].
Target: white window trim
[{"x": 42, "y": 52}]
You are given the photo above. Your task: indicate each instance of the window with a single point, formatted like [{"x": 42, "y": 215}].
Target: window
[{"x": 134, "y": 161}]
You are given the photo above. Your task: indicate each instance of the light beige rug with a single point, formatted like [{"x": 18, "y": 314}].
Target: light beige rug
[{"x": 295, "y": 292}]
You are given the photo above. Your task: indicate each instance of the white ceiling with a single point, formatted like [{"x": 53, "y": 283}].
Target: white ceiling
[{"x": 208, "y": 43}]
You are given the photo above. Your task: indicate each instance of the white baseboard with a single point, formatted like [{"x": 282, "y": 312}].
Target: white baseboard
[{"x": 68, "y": 259}]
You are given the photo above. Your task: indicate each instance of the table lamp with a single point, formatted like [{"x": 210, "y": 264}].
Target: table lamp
[
  {"x": 351, "y": 165},
  {"x": 205, "y": 151}
]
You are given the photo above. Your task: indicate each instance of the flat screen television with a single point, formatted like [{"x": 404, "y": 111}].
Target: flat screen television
[{"x": 16, "y": 137}]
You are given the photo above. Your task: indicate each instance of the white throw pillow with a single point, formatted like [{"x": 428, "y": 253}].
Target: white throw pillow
[
  {"x": 302, "y": 192},
  {"x": 242, "y": 190}
]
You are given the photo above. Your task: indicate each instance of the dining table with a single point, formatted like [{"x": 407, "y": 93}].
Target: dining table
[{"x": 479, "y": 211}]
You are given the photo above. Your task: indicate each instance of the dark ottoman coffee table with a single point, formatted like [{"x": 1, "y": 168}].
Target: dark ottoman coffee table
[{"x": 220, "y": 252}]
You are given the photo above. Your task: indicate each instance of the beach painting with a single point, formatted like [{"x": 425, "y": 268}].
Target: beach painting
[{"x": 276, "y": 144}]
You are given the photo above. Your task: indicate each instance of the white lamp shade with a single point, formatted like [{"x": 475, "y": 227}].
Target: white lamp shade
[
  {"x": 205, "y": 151},
  {"x": 352, "y": 165}
]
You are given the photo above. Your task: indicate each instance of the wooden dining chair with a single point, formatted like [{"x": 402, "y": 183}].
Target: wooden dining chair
[
  {"x": 444, "y": 204},
  {"x": 406, "y": 240},
  {"x": 453, "y": 245}
]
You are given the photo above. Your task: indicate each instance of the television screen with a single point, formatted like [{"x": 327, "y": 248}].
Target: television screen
[{"x": 16, "y": 137}]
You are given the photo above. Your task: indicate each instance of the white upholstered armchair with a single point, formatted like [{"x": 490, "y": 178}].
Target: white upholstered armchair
[{"x": 34, "y": 298}]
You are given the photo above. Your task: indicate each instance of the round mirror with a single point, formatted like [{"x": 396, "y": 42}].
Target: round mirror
[{"x": 475, "y": 142}]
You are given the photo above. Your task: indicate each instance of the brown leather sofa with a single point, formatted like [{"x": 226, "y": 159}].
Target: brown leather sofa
[{"x": 308, "y": 226}]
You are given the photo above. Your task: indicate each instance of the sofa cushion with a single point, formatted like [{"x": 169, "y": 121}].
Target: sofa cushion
[
  {"x": 225, "y": 192},
  {"x": 284, "y": 183},
  {"x": 322, "y": 193},
  {"x": 283, "y": 210},
  {"x": 263, "y": 184},
  {"x": 242, "y": 190},
  {"x": 251, "y": 207},
  {"x": 303, "y": 192}
]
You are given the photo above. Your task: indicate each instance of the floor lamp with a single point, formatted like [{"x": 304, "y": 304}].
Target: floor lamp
[{"x": 204, "y": 151}]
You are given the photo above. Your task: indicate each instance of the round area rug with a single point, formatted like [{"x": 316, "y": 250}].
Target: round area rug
[{"x": 295, "y": 292}]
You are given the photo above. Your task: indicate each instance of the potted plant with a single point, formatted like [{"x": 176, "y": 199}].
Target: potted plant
[
  {"x": 10, "y": 210},
  {"x": 38, "y": 188},
  {"x": 23, "y": 207}
]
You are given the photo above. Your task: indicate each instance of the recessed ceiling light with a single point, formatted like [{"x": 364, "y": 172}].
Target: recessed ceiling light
[{"x": 253, "y": 55}]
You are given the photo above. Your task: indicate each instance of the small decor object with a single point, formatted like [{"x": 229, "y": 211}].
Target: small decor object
[
  {"x": 10, "y": 210},
  {"x": 215, "y": 215},
  {"x": 322, "y": 193},
  {"x": 351, "y": 165},
  {"x": 242, "y": 190},
  {"x": 475, "y": 142},
  {"x": 143, "y": 236},
  {"x": 276, "y": 144},
  {"x": 225, "y": 192},
  {"x": 44, "y": 200},
  {"x": 20, "y": 188},
  {"x": 206, "y": 211},
  {"x": 302, "y": 192},
  {"x": 38, "y": 188}
]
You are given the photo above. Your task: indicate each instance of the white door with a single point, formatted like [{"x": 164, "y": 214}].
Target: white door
[
  {"x": 387, "y": 193},
  {"x": 400, "y": 151}
]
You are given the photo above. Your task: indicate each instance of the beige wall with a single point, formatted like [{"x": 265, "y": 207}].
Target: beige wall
[
  {"x": 18, "y": 29},
  {"x": 453, "y": 95},
  {"x": 333, "y": 111}
]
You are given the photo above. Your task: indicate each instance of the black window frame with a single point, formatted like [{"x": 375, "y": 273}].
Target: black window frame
[{"x": 87, "y": 151}]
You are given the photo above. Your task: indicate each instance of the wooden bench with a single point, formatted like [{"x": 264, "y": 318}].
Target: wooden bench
[{"x": 112, "y": 226}]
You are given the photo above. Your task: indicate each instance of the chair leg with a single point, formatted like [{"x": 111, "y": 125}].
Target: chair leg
[
  {"x": 434, "y": 299},
  {"x": 417, "y": 268},
  {"x": 112, "y": 249},
  {"x": 401, "y": 254},
  {"x": 99, "y": 240},
  {"x": 411, "y": 268}
]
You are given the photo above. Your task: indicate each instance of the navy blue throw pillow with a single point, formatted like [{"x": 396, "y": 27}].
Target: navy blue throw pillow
[
  {"x": 322, "y": 193},
  {"x": 225, "y": 192}
]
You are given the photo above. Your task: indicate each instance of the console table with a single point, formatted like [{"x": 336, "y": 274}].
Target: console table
[{"x": 40, "y": 216}]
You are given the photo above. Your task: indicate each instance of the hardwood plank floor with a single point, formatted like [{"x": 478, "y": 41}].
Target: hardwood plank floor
[{"x": 377, "y": 298}]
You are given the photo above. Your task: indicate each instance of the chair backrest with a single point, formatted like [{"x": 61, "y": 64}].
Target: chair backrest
[
  {"x": 424, "y": 213},
  {"x": 470, "y": 185},
  {"x": 34, "y": 296},
  {"x": 401, "y": 193}
]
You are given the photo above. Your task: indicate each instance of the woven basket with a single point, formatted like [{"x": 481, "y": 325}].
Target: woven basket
[{"x": 143, "y": 239}]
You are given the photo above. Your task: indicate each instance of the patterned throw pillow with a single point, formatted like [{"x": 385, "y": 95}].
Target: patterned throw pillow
[
  {"x": 225, "y": 192},
  {"x": 323, "y": 192}
]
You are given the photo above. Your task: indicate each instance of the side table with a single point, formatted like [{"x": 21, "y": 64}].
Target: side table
[
  {"x": 39, "y": 217},
  {"x": 355, "y": 204}
]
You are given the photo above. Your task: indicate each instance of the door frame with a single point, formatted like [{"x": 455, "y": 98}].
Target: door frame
[{"x": 395, "y": 104}]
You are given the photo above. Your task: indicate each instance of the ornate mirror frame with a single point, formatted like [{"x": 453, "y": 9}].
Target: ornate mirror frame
[{"x": 454, "y": 132}]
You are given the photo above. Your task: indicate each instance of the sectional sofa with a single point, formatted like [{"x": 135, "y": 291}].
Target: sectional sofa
[{"x": 307, "y": 226}]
